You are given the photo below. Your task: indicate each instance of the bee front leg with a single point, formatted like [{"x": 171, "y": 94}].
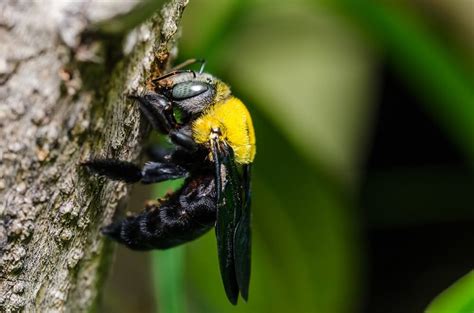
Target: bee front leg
[
  {"x": 158, "y": 110},
  {"x": 183, "y": 137}
]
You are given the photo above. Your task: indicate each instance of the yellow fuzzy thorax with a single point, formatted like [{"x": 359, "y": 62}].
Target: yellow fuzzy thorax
[{"x": 233, "y": 120}]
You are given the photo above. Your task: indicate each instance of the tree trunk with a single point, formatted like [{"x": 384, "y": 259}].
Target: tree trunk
[{"x": 64, "y": 77}]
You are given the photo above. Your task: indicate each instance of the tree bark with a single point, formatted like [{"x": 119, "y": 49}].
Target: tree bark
[{"x": 64, "y": 77}]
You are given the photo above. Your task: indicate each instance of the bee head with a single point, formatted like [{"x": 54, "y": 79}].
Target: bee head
[{"x": 194, "y": 92}]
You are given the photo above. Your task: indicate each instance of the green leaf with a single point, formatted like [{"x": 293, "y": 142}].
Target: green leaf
[
  {"x": 168, "y": 278},
  {"x": 168, "y": 268},
  {"x": 459, "y": 298}
]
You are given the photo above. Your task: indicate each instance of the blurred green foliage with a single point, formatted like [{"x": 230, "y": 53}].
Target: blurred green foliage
[
  {"x": 168, "y": 279},
  {"x": 456, "y": 299},
  {"x": 425, "y": 60}
]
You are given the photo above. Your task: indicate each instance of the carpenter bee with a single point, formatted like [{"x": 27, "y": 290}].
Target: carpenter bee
[{"x": 213, "y": 149}]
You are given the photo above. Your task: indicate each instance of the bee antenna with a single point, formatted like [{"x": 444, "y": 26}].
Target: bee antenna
[
  {"x": 203, "y": 65},
  {"x": 190, "y": 62},
  {"x": 178, "y": 69},
  {"x": 173, "y": 74}
]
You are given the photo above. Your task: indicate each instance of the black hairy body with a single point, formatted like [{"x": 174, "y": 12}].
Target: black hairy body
[
  {"x": 184, "y": 216},
  {"x": 213, "y": 149}
]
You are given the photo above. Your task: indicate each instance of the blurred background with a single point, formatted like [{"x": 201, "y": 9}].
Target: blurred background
[{"x": 362, "y": 184}]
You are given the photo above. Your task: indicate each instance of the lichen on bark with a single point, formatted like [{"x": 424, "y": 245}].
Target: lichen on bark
[{"x": 63, "y": 88}]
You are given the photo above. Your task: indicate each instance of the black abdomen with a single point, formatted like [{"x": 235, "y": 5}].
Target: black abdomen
[{"x": 184, "y": 216}]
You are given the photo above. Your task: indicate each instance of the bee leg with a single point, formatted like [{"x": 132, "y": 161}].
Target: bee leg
[
  {"x": 158, "y": 110},
  {"x": 115, "y": 169},
  {"x": 183, "y": 137},
  {"x": 152, "y": 172},
  {"x": 177, "y": 156},
  {"x": 190, "y": 62},
  {"x": 161, "y": 154}
]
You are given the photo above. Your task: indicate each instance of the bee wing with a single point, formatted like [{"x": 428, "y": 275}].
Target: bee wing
[
  {"x": 242, "y": 238},
  {"x": 229, "y": 204}
]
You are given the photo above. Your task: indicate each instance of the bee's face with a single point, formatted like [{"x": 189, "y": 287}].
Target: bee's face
[{"x": 194, "y": 93}]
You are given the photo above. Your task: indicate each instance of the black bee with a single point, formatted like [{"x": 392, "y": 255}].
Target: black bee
[{"x": 214, "y": 147}]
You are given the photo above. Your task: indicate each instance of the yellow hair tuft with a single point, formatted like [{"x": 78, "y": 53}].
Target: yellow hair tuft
[{"x": 234, "y": 121}]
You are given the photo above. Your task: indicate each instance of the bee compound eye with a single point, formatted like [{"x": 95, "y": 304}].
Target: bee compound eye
[{"x": 188, "y": 90}]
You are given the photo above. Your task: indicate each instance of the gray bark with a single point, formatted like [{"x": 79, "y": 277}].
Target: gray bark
[{"x": 62, "y": 101}]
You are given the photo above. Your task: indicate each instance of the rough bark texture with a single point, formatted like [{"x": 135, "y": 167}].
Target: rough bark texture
[{"x": 63, "y": 100}]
